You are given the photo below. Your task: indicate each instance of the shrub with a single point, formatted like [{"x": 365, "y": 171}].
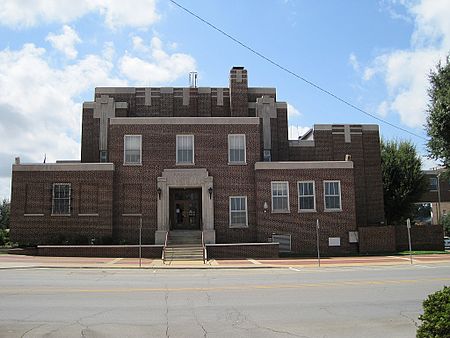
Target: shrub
[
  {"x": 436, "y": 315},
  {"x": 4, "y": 237}
]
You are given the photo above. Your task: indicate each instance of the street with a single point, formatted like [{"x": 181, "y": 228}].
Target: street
[{"x": 371, "y": 301}]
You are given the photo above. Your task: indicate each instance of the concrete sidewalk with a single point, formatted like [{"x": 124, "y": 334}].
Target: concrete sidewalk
[{"x": 19, "y": 261}]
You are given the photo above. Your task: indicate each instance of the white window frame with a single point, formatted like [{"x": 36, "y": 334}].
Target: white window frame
[
  {"x": 314, "y": 209},
  {"x": 230, "y": 211},
  {"x": 193, "y": 150},
  {"x": 229, "y": 150},
  {"x": 124, "y": 150},
  {"x": 340, "y": 196},
  {"x": 53, "y": 199},
  {"x": 280, "y": 211}
]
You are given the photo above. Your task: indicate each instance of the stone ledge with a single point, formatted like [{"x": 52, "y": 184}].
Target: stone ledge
[
  {"x": 304, "y": 165},
  {"x": 64, "y": 167},
  {"x": 182, "y": 120}
]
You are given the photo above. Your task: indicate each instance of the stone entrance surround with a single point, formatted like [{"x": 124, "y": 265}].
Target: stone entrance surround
[{"x": 185, "y": 178}]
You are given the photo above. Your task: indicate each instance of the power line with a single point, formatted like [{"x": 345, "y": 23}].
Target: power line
[{"x": 276, "y": 64}]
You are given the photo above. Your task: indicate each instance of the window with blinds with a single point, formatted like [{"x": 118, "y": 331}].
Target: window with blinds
[
  {"x": 185, "y": 149},
  {"x": 132, "y": 149},
  {"x": 236, "y": 149}
]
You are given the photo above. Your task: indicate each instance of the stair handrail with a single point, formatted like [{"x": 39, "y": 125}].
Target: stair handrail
[
  {"x": 204, "y": 250},
  {"x": 164, "y": 248}
]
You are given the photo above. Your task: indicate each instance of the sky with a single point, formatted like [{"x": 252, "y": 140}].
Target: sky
[{"x": 376, "y": 55}]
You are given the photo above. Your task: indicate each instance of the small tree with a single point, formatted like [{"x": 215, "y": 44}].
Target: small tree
[
  {"x": 436, "y": 315},
  {"x": 445, "y": 220},
  {"x": 4, "y": 214},
  {"x": 438, "y": 119},
  {"x": 403, "y": 179}
]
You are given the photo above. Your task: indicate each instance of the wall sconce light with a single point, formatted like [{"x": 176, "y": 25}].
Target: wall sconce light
[
  {"x": 266, "y": 206},
  {"x": 210, "y": 190},
  {"x": 159, "y": 191}
]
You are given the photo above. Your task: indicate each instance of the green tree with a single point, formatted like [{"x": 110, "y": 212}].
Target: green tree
[
  {"x": 4, "y": 214},
  {"x": 445, "y": 220},
  {"x": 438, "y": 119},
  {"x": 436, "y": 314},
  {"x": 403, "y": 179}
]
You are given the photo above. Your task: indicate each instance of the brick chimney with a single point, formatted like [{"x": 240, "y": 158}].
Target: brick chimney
[{"x": 238, "y": 91}]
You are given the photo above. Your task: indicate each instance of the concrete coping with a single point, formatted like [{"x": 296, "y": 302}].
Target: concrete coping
[
  {"x": 244, "y": 244},
  {"x": 182, "y": 120},
  {"x": 101, "y": 246},
  {"x": 304, "y": 165},
  {"x": 365, "y": 127},
  {"x": 64, "y": 167}
]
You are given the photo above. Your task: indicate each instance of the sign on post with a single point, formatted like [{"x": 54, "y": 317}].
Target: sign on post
[
  {"x": 408, "y": 226},
  {"x": 318, "y": 248}
]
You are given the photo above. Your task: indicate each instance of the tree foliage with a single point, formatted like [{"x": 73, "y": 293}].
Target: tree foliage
[
  {"x": 438, "y": 119},
  {"x": 436, "y": 315},
  {"x": 403, "y": 179},
  {"x": 4, "y": 214}
]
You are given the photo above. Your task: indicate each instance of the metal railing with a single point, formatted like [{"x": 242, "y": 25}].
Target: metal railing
[
  {"x": 204, "y": 250},
  {"x": 164, "y": 248}
]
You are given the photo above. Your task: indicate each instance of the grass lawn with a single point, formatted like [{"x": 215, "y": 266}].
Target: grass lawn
[{"x": 424, "y": 252}]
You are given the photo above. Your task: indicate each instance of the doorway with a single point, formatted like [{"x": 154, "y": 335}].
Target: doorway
[{"x": 185, "y": 208}]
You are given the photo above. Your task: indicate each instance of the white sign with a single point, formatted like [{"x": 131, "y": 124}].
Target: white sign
[{"x": 334, "y": 241}]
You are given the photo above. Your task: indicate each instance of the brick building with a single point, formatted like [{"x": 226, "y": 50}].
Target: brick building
[{"x": 211, "y": 159}]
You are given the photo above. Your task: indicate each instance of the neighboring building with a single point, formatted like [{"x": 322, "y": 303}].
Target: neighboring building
[
  {"x": 212, "y": 159},
  {"x": 437, "y": 195}
]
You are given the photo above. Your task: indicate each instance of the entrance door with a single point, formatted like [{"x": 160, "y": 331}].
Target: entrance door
[{"x": 185, "y": 209}]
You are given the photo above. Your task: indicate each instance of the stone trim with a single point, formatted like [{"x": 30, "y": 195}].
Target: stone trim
[
  {"x": 33, "y": 215},
  {"x": 88, "y": 215},
  {"x": 304, "y": 165},
  {"x": 88, "y": 105},
  {"x": 262, "y": 90},
  {"x": 64, "y": 167},
  {"x": 115, "y": 90},
  {"x": 364, "y": 127},
  {"x": 281, "y": 105},
  {"x": 302, "y": 143},
  {"x": 182, "y": 120},
  {"x": 185, "y": 178}
]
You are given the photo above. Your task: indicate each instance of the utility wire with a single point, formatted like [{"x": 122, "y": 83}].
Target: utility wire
[{"x": 276, "y": 64}]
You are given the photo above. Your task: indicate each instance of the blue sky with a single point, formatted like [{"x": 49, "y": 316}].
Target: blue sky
[{"x": 375, "y": 54}]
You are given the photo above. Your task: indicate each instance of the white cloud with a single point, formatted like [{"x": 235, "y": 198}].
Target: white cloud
[
  {"x": 354, "y": 62},
  {"x": 405, "y": 72},
  {"x": 116, "y": 13},
  {"x": 40, "y": 107},
  {"x": 158, "y": 67},
  {"x": 65, "y": 42},
  {"x": 292, "y": 111},
  {"x": 294, "y": 132}
]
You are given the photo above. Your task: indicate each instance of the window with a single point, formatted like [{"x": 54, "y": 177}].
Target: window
[
  {"x": 433, "y": 183},
  {"x": 332, "y": 195},
  {"x": 306, "y": 196},
  {"x": 238, "y": 211},
  {"x": 132, "y": 149},
  {"x": 61, "y": 199},
  {"x": 280, "y": 197},
  {"x": 236, "y": 149},
  {"x": 185, "y": 149}
]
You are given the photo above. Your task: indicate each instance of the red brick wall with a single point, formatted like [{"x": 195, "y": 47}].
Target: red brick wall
[
  {"x": 366, "y": 156},
  {"x": 159, "y": 153},
  {"x": 377, "y": 239},
  {"x": 302, "y": 226},
  {"x": 122, "y": 251},
  {"x": 242, "y": 250},
  {"x": 423, "y": 237},
  {"x": 32, "y": 194}
]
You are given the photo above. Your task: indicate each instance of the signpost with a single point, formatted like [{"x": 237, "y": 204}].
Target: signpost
[
  {"x": 408, "y": 226},
  {"x": 140, "y": 242},
  {"x": 318, "y": 249}
]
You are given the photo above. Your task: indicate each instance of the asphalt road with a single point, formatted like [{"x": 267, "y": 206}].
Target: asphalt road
[{"x": 378, "y": 301}]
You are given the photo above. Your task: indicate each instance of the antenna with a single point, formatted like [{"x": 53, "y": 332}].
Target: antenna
[{"x": 193, "y": 79}]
